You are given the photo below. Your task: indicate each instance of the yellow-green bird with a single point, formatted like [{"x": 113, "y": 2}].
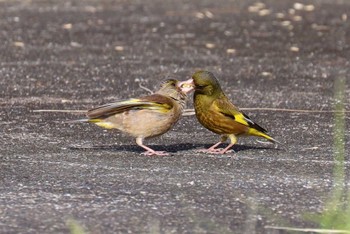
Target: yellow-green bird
[
  {"x": 143, "y": 117},
  {"x": 216, "y": 113}
]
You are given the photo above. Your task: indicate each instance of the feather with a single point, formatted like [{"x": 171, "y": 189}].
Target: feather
[
  {"x": 143, "y": 117},
  {"x": 153, "y": 102},
  {"x": 218, "y": 114}
]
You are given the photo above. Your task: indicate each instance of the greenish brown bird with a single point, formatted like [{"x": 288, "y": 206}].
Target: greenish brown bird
[
  {"x": 143, "y": 117},
  {"x": 217, "y": 113}
]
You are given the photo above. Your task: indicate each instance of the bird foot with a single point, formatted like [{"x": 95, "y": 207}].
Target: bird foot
[
  {"x": 215, "y": 151},
  {"x": 204, "y": 150},
  {"x": 158, "y": 153},
  {"x": 222, "y": 151}
]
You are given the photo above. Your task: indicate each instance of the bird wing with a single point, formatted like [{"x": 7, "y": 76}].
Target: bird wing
[
  {"x": 226, "y": 108},
  {"x": 155, "y": 102}
]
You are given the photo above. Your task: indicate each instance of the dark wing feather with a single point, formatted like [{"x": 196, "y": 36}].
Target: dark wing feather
[
  {"x": 226, "y": 108},
  {"x": 253, "y": 124}
]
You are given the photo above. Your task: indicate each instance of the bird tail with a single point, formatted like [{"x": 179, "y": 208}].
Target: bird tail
[
  {"x": 78, "y": 121},
  {"x": 255, "y": 132},
  {"x": 61, "y": 111},
  {"x": 98, "y": 122}
]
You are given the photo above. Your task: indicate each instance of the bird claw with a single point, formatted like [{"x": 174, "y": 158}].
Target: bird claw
[
  {"x": 208, "y": 150},
  {"x": 221, "y": 151},
  {"x": 215, "y": 151},
  {"x": 158, "y": 153},
  {"x": 204, "y": 151}
]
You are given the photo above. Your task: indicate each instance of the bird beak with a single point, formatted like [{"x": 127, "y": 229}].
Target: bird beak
[{"x": 186, "y": 86}]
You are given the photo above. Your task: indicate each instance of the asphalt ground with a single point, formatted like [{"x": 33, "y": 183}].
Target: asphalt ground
[{"x": 79, "y": 54}]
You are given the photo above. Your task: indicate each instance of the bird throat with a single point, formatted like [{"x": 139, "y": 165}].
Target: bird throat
[{"x": 202, "y": 101}]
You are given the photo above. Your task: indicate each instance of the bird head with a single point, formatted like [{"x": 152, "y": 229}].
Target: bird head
[
  {"x": 171, "y": 88},
  {"x": 204, "y": 82}
]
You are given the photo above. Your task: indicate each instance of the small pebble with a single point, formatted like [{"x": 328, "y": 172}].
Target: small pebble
[
  {"x": 119, "y": 48},
  {"x": 256, "y": 7},
  {"x": 230, "y": 51},
  {"x": 291, "y": 11},
  {"x": 297, "y": 18},
  {"x": 18, "y": 44},
  {"x": 199, "y": 15},
  {"x": 298, "y": 6},
  {"x": 209, "y": 14},
  {"x": 264, "y": 12},
  {"x": 309, "y": 8},
  {"x": 280, "y": 15},
  {"x": 285, "y": 23},
  {"x": 266, "y": 73},
  {"x": 210, "y": 45},
  {"x": 294, "y": 49},
  {"x": 344, "y": 17},
  {"x": 75, "y": 44},
  {"x": 253, "y": 9},
  {"x": 67, "y": 26},
  {"x": 260, "y": 5}
]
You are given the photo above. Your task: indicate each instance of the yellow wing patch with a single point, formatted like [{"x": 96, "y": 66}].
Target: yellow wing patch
[
  {"x": 230, "y": 111},
  {"x": 150, "y": 105},
  {"x": 163, "y": 108},
  {"x": 241, "y": 119},
  {"x": 101, "y": 123},
  {"x": 107, "y": 125}
]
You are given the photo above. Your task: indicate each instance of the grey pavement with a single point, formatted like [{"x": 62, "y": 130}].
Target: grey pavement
[{"x": 79, "y": 54}]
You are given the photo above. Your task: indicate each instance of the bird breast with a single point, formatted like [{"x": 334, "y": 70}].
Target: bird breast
[{"x": 145, "y": 123}]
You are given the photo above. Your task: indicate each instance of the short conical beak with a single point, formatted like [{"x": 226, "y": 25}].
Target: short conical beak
[{"x": 186, "y": 86}]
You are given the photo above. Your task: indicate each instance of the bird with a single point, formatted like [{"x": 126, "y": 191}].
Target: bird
[
  {"x": 145, "y": 117},
  {"x": 217, "y": 113}
]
